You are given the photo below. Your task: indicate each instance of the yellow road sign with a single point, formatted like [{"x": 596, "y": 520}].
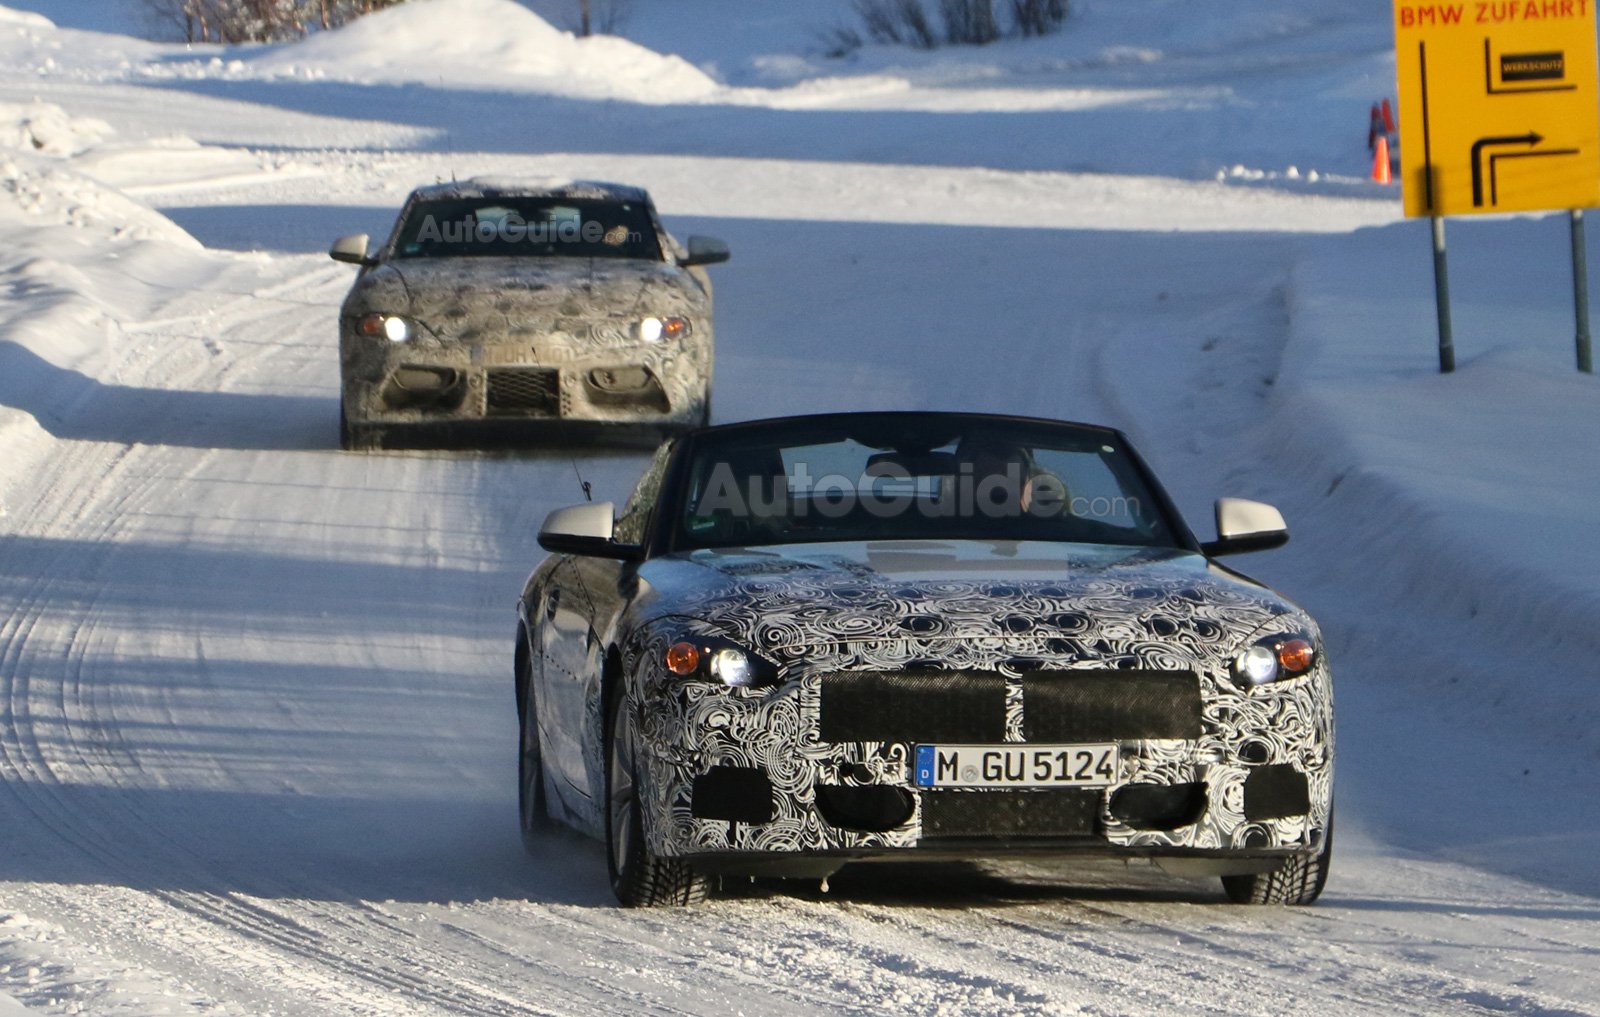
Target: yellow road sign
[{"x": 1498, "y": 105}]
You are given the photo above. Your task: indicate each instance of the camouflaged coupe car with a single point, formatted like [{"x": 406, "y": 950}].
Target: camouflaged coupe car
[
  {"x": 821, "y": 640},
  {"x": 503, "y": 303}
]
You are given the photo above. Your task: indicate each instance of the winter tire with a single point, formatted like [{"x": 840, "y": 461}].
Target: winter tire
[
  {"x": 638, "y": 877},
  {"x": 1300, "y": 881},
  {"x": 532, "y": 805}
]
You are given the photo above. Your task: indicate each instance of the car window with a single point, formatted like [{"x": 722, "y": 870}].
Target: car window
[
  {"x": 527, "y": 227},
  {"x": 957, "y": 478}
]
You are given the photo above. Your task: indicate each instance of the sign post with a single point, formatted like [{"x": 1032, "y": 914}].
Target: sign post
[
  {"x": 1500, "y": 104},
  {"x": 1580, "y": 291},
  {"x": 1441, "y": 299}
]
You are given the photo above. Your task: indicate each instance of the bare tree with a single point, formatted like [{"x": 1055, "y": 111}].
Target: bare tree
[{"x": 599, "y": 17}]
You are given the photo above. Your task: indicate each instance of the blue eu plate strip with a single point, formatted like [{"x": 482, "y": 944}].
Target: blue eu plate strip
[{"x": 925, "y": 765}]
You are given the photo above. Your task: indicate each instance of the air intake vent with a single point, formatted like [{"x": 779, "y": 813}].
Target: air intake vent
[
  {"x": 523, "y": 392},
  {"x": 910, "y": 706},
  {"x": 1092, "y": 706},
  {"x": 1073, "y": 812}
]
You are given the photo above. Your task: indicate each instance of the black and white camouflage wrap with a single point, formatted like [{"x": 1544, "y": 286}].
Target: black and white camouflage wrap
[
  {"x": 992, "y": 606},
  {"x": 566, "y": 314}
]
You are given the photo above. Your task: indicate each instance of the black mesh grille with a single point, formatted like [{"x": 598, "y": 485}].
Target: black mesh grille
[
  {"x": 523, "y": 392},
  {"x": 934, "y": 706},
  {"x": 1091, "y": 706},
  {"x": 1065, "y": 813}
]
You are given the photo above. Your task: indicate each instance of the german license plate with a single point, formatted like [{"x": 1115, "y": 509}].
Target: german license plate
[{"x": 1016, "y": 765}]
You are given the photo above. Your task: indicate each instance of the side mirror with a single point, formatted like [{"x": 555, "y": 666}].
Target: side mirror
[
  {"x": 352, "y": 250},
  {"x": 705, "y": 251},
  {"x": 586, "y": 530},
  {"x": 1245, "y": 526}
]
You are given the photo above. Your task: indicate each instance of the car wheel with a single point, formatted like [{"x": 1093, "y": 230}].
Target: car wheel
[
  {"x": 1300, "y": 881},
  {"x": 638, "y": 877},
  {"x": 532, "y": 805}
]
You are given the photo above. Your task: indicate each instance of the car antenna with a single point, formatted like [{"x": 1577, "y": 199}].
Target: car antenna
[{"x": 587, "y": 495}]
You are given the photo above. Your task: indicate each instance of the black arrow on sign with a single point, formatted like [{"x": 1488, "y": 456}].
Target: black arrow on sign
[
  {"x": 1530, "y": 139},
  {"x": 1494, "y": 166}
]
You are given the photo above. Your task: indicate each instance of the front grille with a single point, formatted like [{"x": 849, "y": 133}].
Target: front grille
[
  {"x": 903, "y": 706},
  {"x": 1092, "y": 706},
  {"x": 1072, "y": 812},
  {"x": 1058, "y": 707},
  {"x": 523, "y": 391}
]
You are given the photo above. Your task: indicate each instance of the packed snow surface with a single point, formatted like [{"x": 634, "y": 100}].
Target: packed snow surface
[{"x": 256, "y": 727}]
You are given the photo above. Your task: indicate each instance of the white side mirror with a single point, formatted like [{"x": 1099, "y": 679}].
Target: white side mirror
[
  {"x": 1244, "y": 526},
  {"x": 352, "y": 250},
  {"x": 591, "y": 521}
]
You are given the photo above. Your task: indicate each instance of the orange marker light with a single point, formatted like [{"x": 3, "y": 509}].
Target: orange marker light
[
  {"x": 1295, "y": 656},
  {"x": 674, "y": 328},
  {"x": 683, "y": 658}
]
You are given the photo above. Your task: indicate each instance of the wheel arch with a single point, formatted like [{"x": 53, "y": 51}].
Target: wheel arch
[{"x": 522, "y": 660}]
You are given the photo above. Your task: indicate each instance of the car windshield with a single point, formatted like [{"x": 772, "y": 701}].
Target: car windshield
[
  {"x": 528, "y": 228},
  {"x": 915, "y": 476}
]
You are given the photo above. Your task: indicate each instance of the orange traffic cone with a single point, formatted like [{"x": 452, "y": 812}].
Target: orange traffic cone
[{"x": 1380, "y": 162}]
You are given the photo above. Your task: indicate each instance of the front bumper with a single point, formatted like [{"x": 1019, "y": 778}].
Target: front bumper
[
  {"x": 744, "y": 779},
  {"x": 666, "y": 384}
]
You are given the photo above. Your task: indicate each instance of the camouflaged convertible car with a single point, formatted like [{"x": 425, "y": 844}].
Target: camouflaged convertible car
[
  {"x": 524, "y": 302},
  {"x": 821, "y": 640}
]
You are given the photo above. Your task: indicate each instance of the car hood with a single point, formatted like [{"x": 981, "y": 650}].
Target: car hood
[
  {"x": 1077, "y": 601},
  {"x": 495, "y": 299}
]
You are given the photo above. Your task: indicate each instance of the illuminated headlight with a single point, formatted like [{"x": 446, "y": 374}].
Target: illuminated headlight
[
  {"x": 388, "y": 326},
  {"x": 1273, "y": 658},
  {"x": 717, "y": 659},
  {"x": 733, "y": 667},
  {"x": 654, "y": 330}
]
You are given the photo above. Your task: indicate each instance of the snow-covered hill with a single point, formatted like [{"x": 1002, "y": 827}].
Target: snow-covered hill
[{"x": 255, "y": 720}]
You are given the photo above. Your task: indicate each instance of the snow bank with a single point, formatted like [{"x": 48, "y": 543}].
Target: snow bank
[
  {"x": 1466, "y": 499},
  {"x": 79, "y": 258},
  {"x": 487, "y": 43},
  {"x": 48, "y": 128},
  {"x": 44, "y": 194},
  {"x": 23, "y": 19}
]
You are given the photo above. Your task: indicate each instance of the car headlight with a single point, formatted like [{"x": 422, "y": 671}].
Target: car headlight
[
  {"x": 387, "y": 326},
  {"x": 1274, "y": 658},
  {"x": 654, "y": 330},
  {"x": 712, "y": 658}
]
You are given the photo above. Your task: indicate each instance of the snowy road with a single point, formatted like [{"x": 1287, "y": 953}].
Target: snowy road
[{"x": 256, "y": 734}]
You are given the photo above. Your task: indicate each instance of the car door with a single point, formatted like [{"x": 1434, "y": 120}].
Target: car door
[
  {"x": 609, "y": 588},
  {"x": 566, "y": 643},
  {"x": 576, "y": 614}
]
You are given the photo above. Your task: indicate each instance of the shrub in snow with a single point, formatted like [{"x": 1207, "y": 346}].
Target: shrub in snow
[
  {"x": 1038, "y": 17},
  {"x": 965, "y": 23},
  {"x": 235, "y": 21},
  {"x": 969, "y": 22},
  {"x": 897, "y": 23}
]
